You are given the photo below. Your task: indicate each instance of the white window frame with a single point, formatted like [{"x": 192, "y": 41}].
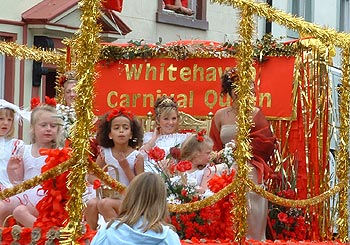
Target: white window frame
[
  {"x": 301, "y": 8},
  {"x": 2, "y": 75},
  {"x": 344, "y": 13}
]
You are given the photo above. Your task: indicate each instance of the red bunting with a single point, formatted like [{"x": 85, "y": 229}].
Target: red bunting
[{"x": 116, "y": 5}]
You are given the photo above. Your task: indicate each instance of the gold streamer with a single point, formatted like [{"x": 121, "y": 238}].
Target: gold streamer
[
  {"x": 246, "y": 102},
  {"x": 290, "y": 21},
  {"x": 297, "y": 203},
  {"x": 343, "y": 153},
  {"x": 87, "y": 46},
  {"x": 37, "y": 180},
  {"x": 38, "y": 54}
]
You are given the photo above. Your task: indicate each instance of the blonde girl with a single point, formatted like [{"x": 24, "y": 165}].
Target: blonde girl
[
  {"x": 165, "y": 134},
  {"x": 197, "y": 149},
  {"x": 10, "y": 114},
  {"x": 45, "y": 130},
  {"x": 143, "y": 215}
]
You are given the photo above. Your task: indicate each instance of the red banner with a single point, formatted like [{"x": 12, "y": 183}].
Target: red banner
[{"x": 195, "y": 84}]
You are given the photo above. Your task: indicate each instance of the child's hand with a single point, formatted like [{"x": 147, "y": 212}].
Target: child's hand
[
  {"x": 15, "y": 169},
  {"x": 121, "y": 157},
  {"x": 15, "y": 163}
]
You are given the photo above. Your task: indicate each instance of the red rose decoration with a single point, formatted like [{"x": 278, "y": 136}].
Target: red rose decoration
[
  {"x": 283, "y": 217},
  {"x": 34, "y": 102},
  {"x": 183, "y": 166},
  {"x": 200, "y": 135},
  {"x": 175, "y": 153},
  {"x": 156, "y": 154},
  {"x": 97, "y": 184},
  {"x": 50, "y": 101}
]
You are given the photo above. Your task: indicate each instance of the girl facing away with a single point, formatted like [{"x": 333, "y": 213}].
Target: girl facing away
[
  {"x": 197, "y": 149},
  {"x": 27, "y": 164},
  {"x": 165, "y": 134},
  {"x": 10, "y": 114},
  {"x": 143, "y": 215},
  {"x": 118, "y": 135}
]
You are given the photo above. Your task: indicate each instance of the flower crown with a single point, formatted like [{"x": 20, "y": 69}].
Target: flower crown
[
  {"x": 232, "y": 74},
  {"x": 118, "y": 112},
  {"x": 34, "y": 102},
  {"x": 200, "y": 135},
  {"x": 68, "y": 76}
]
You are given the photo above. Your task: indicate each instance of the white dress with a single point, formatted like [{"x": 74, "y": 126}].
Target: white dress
[
  {"x": 32, "y": 167},
  {"x": 196, "y": 175},
  {"x": 257, "y": 205},
  {"x": 8, "y": 148},
  {"x": 111, "y": 160},
  {"x": 164, "y": 142}
]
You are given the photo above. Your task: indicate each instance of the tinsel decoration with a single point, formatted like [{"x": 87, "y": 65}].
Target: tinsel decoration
[
  {"x": 37, "y": 180},
  {"x": 296, "y": 203},
  {"x": 291, "y": 22},
  {"x": 246, "y": 103},
  {"x": 343, "y": 153},
  {"x": 107, "y": 179},
  {"x": 38, "y": 54},
  {"x": 87, "y": 48},
  {"x": 195, "y": 206}
]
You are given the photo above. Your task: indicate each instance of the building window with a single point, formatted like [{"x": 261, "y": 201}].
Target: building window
[
  {"x": 191, "y": 14},
  {"x": 7, "y": 66},
  {"x": 300, "y": 8},
  {"x": 344, "y": 20}
]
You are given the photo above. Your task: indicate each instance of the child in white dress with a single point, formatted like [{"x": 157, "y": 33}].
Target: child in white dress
[
  {"x": 10, "y": 114},
  {"x": 28, "y": 163},
  {"x": 165, "y": 135},
  {"x": 119, "y": 134},
  {"x": 197, "y": 149}
]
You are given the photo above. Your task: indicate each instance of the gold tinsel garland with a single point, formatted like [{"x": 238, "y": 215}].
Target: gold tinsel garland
[
  {"x": 37, "y": 180},
  {"x": 343, "y": 153},
  {"x": 296, "y": 203},
  {"x": 107, "y": 179},
  {"x": 38, "y": 54},
  {"x": 87, "y": 49},
  {"x": 246, "y": 102},
  {"x": 290, "y": 21}
]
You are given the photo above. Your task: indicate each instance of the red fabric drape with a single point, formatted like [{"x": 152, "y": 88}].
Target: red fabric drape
[
  {"x": 116, "y": 5},
  {"x": 262, "y": 141}
]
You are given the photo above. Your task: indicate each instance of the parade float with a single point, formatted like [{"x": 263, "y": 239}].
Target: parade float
[{"x": 292, "y": 87}]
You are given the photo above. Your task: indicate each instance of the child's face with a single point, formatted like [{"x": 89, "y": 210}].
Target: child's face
[
  {"x": 203, "y": 156},
  {"x": 120, "y": 130},
  {"x": 69, "y": 93},
  {"x": 6, "y": 122},
  {"x": 168, "y": 123},
  {"x": 46, "y": 127}
]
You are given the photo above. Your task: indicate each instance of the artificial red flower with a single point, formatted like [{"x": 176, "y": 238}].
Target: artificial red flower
[
  {"x": 175, "y": 153},
  {"x": 34, "y": 102},
  {"x": 50, "y": 101},
  {"x": 183, "y": 166},
  {"x": 97, "y": 184},
  {"x": 118, "y": 112},
  {"x": 200, "y": 135},
  {"x": 283, "y": 217},
  {"x": 156, "y": 153},
  {"x": 62, "y": 80}
]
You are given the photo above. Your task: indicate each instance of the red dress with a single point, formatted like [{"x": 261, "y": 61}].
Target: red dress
[{"x": 262, "y": 140}]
